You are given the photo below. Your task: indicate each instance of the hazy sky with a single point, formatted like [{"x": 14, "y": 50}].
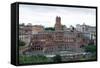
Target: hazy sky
[{"x": 45, "y": 15}]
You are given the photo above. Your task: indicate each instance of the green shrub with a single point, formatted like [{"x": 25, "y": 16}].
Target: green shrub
[
  {"x": 21, "y": 43},
  {"x": 57, "y": 58},
  {"x": 33, "y": 59}
]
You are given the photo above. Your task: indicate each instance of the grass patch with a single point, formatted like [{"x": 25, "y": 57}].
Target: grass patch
[{"x": 33, "y": 59}]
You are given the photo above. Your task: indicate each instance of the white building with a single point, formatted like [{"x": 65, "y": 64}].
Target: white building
[{"x": 88, "y": 31}]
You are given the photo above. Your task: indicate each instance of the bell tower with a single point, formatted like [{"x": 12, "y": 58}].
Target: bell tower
[{"x": 58, "y": 25}]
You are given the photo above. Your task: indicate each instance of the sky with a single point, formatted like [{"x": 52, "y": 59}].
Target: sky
[{"x": 46, "y": 15}]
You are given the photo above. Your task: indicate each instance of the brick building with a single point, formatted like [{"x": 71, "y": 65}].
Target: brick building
[{"x": 54, "y": 42}]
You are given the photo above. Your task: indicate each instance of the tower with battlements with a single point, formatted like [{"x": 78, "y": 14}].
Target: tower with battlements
[{"x": 58, "y": 25}]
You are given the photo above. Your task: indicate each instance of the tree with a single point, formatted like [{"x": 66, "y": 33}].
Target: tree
[
  {"x": 57, "y": 58},
  {"x": 64, "y": 27},
  {"x": 50, "y": 28},
  {"x": 90, "y": 48},
  {"x": 21, "y": 43}
]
